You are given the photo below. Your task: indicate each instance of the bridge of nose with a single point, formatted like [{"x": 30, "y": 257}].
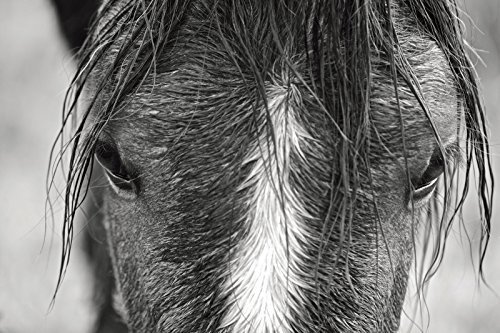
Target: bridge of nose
[{"x": 265, "y": 280}]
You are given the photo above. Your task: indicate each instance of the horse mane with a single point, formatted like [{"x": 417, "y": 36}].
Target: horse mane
[{"x": 343, "y": 35}]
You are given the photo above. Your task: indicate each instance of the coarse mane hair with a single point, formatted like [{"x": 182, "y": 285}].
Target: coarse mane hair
[{"x": 338, "y": 37}]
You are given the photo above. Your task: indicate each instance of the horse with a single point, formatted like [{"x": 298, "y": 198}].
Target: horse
[{"x": 270, "y": 166}]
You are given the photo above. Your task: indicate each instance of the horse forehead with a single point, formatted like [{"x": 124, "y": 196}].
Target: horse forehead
[
  {"x": 200, "y": 67},
  {"x": 199, "y": 38}
]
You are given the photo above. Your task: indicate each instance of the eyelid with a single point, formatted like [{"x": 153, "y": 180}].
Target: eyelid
[
  {"x": 420, "y": 196},
  {"x": 125, "y": 193},
  {"x": 423, "y": 187},
  {"x": 450, "y": 154},
  {"x": 121, "y": 176}
]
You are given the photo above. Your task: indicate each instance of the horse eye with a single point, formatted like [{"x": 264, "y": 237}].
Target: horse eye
[
  {"x": 426, "y": 184},
  {"x": 109, "y": 158}
]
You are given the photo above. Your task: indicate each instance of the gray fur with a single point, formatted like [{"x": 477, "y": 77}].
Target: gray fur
[{"x": 185, "y": 101}]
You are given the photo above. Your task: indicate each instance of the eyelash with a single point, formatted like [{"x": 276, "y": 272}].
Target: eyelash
[
  {"x": 118, "y": 174},
  {"x": 424, "y": 186}
]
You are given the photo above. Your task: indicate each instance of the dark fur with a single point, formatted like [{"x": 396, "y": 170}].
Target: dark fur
[
  {"x": 74, "y": 17},
  {"x": 180, "y": 87}
]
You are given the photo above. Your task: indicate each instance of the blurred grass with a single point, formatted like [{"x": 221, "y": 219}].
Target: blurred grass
[
  {"x": 33, "y": 79},
  {"x": 34, "y": 72}
]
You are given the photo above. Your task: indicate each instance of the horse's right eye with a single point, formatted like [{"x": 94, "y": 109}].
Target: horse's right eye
[{"x": 119, "y": 176}]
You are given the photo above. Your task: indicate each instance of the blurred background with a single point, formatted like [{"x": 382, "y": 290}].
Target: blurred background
[{"x": 35, "y": 69}]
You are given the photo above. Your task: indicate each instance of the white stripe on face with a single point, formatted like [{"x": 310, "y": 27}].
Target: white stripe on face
[{"x": 265, "y": 266}]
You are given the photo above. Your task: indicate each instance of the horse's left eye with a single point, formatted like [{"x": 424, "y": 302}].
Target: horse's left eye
[
  {"x": 119, "y": 176},
  {"x": 424, "y": 186}
]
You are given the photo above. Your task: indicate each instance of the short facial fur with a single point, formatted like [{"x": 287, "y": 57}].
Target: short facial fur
[{"x": 272, "y": 147}]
